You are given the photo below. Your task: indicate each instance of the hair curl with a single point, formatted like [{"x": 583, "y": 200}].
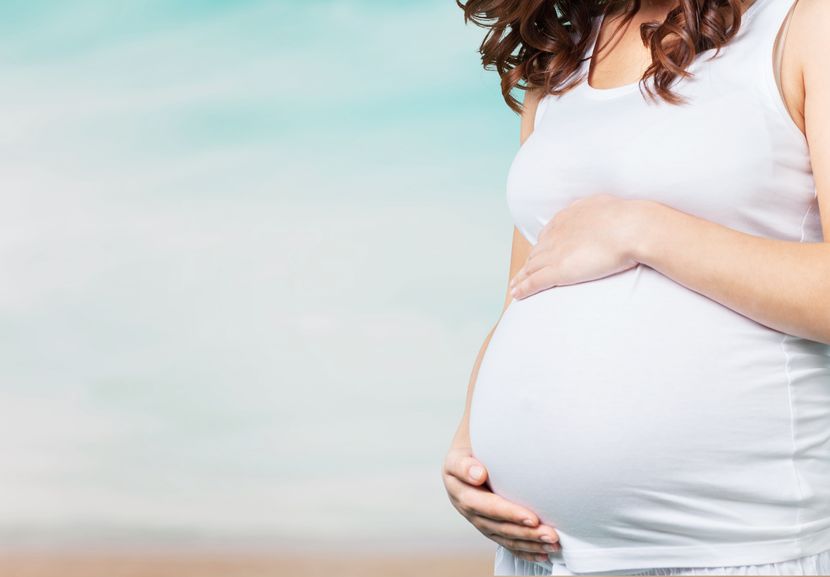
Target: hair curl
[{"x": 543, "y": 42}]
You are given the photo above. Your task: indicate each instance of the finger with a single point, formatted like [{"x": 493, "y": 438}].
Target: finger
[
  {"x": 549, "y": 227},
  {"x": 522, "y": 274},
  {"x": 542, "y": 279},
  {"x": 519, "y": 275},
  {"x": 534, "y": 259},
  {"x": 541, "y": 534},
  {"x": 515, "y": 278},
  {"x": 531, "y": 547},
  {"x": 519, "y": 278},
  {"x": 466, "y": 468},
  {"x": 541, "y": 260},
  {"x": 477, "y": 501}
]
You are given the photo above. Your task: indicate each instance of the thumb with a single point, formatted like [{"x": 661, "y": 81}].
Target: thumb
[{"x": 476, "y": 472}]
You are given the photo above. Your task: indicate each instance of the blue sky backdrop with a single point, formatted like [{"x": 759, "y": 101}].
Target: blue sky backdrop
[{"x": 248, "y": 253}]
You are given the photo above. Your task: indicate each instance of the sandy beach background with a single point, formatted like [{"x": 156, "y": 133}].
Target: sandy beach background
[
  {"x": 249, "y": 558},
  {"x": 211, "y": 565},
  {"x": 249, "y": 251}
]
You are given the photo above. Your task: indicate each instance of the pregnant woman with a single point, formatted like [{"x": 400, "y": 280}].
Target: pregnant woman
[{"x": 655, "y": 397}]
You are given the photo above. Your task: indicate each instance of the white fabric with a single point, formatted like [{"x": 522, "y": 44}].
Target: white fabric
[
  {"x": 817, "y": 564},
  {"x": 651, "y": 425}
]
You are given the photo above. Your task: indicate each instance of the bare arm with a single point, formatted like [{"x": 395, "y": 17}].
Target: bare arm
[
  {"x": 502, "y": 521},
  {"x": 782, "y": 284},
  {"x": 519, "y": 253},
  {"x": 520, "y": 250}
]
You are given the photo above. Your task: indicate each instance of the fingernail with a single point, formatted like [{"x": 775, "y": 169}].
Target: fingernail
[
  {"x": 529, "y": 522},
  {"x": 476, "y": 472},
  {"x": 549, "y": 548},
  {"x": 546, "y": 538}
]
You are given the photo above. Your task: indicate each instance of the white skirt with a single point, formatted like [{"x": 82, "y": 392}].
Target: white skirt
[{"x": 819, "y": 564}]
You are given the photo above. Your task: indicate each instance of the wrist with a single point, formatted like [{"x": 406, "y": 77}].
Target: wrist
[{"x": 643, "y": 228}]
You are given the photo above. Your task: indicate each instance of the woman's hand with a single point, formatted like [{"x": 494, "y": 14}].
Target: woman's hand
[
  {"x": 591, "y": 238},
  {"x": 506, "y": 523}
]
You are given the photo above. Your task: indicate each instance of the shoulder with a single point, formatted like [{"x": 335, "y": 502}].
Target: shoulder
[
  {"x": 816, "y": 9},
  {"x": 809, "y": 37}
]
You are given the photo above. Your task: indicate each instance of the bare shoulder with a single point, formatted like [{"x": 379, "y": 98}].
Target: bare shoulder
[
  {"x": 805, "y": 50},
  {"x": 809, "y": 35}
]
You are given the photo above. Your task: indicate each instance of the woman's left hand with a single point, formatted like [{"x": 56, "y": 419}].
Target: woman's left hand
[{"x": 591, "y": 238}]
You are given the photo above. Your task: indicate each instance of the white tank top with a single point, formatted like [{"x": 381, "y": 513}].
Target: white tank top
[{"x": 651, "y": 425}]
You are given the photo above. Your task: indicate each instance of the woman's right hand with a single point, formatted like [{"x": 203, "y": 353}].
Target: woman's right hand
[{"x": 508, "y": 524}]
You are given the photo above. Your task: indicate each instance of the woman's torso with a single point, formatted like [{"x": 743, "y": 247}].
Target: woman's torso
[{"x": 645, "y": 421}]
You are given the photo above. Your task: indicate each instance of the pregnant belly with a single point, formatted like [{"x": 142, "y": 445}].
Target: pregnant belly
[{"x": 605, "y": 406}]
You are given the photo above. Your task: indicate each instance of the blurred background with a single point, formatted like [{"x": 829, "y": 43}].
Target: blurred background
[{"x": 249, "y": 251}]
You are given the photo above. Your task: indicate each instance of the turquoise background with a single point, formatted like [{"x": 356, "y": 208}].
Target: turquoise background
[{"x": 248, "y": 253}]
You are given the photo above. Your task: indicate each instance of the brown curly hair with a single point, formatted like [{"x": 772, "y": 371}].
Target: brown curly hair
[{"x": 543, "y": 42}]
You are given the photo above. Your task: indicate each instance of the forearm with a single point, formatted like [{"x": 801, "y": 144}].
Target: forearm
[{"x": 784, "y": 285}]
